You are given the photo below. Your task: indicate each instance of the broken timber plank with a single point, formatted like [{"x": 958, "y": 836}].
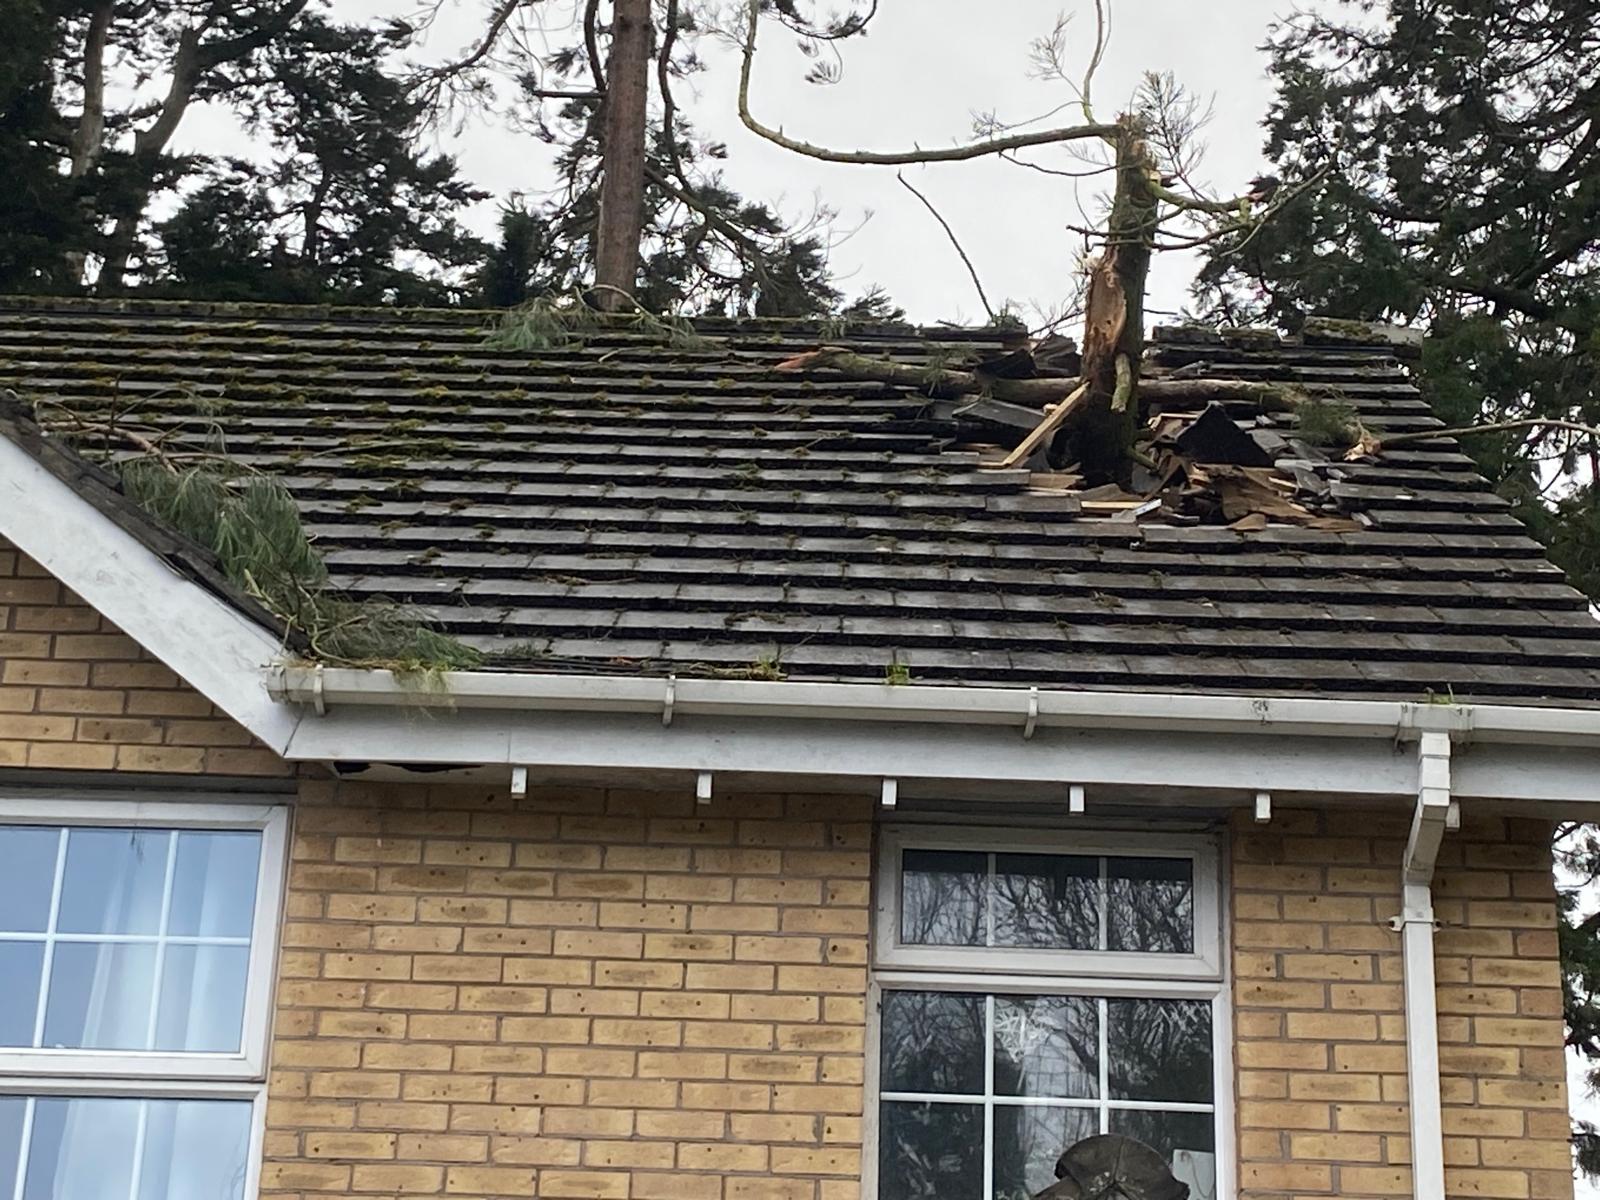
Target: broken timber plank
[{"x": 1052, "y": 421}]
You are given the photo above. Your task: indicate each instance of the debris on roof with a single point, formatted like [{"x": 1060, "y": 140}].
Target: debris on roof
[{"x": 621, "y": 503}]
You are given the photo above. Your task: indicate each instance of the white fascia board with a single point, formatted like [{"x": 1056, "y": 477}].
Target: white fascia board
[
  {"x": 1023, "y": 708},
  {"x": 198, "y": 635}
]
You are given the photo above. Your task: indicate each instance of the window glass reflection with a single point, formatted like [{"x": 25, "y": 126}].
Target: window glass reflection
[
  {"x": 1159, "y": 1050},
  {"x": 1150, "y": 905},
  {"x": 942, "y": 898},
  {"x": 1047, "y": 900},
  {"x": 114, "y": 880},
  {"x": 27, "y": 874},
  {"x": 933, "y": 1042},
  {"x": 1027, "y": 1142},
  {"x": 1047, "y": 1046},
  {"x": 930, "y": 1151}
]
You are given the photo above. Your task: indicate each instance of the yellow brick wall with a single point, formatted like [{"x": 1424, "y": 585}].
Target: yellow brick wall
[
  {"x": 76, "y": 693},
  {"x": 576, "y": 994},
  {"x": 1319, "y": 1014}
]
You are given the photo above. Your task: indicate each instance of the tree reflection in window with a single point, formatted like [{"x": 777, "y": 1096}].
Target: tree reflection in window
[
  {"x": 976, "y": 1085},
  {"x": 1047, "y": 901},
  {"x": 942, "y": 898},
  {"x": 1150, "y": 905}
]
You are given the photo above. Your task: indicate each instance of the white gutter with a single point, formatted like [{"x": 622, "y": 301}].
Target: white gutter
[
  {"x": 1416, "y": 925},
  {"x": 1026, "y": 708}
]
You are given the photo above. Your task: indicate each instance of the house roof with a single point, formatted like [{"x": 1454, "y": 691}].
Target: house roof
[{"x": 624, "y": 504}]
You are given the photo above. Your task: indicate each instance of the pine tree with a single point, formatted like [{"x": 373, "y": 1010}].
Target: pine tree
[
  {"x": 347, "y": 210},
  {"x": 699, "y": 245},
  {"x": 1464, "y": 199}
]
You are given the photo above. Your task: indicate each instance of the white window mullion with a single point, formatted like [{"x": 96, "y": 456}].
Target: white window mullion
[
  {"x": 22, "y": 1148},
  {"x": 988, "y": 1092},
  {"x": 47, "y": 962},
  {"x": 141, "y": 1126},
  {"x": 161, "y": 945},
  {"x": 1104, "y": 1006}
]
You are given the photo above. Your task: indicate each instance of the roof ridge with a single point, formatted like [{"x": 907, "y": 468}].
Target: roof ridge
[{"x": 379, "y": 314}]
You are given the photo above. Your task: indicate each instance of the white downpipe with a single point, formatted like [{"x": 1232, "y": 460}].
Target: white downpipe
[{"x": 1416, "y": 925}]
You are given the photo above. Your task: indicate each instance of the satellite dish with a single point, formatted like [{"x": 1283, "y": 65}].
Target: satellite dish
[{"x": 1113, "y": 1167}]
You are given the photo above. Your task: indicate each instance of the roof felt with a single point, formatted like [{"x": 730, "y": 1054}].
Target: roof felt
[{"x": 624, "y": 505}]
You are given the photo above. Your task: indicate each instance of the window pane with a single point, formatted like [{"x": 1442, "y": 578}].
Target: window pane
[
  {"x": 930, "y": 1151},
  {"x": 81, "y": 1149},
  {"x": 1027, "y": 1142},
  {"x": 941, "y": 898},
  {"x": 1047, "y": 900},
  {"x": 27, "y": 875},
  {"x": 11, "y": 1112},
  {"x": 1151, "y": 905},
  {"x": 195, "y": 1150},
  {"x": 214, "y": 884},
  {"x": 100, "y": 995},
  {"x": 202, "y": 998},
  {"x": 1160, "y": 1050},
  {"x": 932, "y": 1042},
  {"x": 1187, "y": 1141},
  {"x": 113, "y": 881},
  {"x": 1046, "y": 1046},
  {"x": 84, "y": 1148},
  {"x": 20, "y": 964}
]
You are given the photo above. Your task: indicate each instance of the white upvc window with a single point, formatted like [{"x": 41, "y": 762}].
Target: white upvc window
[
  {"x": 1037, "y": 987},
  {"x": 137, "y": 942}
]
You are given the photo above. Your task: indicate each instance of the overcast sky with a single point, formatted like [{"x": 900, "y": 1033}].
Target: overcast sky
[{"x": 926, "y": 67}]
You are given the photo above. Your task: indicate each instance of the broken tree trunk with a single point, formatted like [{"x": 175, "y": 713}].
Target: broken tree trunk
[
  {"x": 625, "y": 112},
  {"x": 1113, "y": 342}
]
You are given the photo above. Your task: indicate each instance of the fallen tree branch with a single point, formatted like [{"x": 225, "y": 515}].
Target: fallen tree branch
[
  {"x": 937, "y": 382},
  {"x": 1374, "y": 443},
  {"x": 980, "y": 149},
  {"x": 1271, "y": 397},
  {"x": 954, "y": 241},
  {"x": 943, "y": 383}
]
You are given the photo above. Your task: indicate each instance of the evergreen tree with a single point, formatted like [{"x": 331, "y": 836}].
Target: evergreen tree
[
  {"x": 1464, "y": 198},
  {"x": 95, "y": 93},
  {"x": 347, "y": 210},
  {"x": 36, "y": 210},
  {"x": 704, "y": 248}
]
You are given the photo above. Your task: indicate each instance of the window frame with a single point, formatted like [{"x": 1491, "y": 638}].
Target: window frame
[
  {"x": 167, "y": 1073},
  {"x": 1045, "y": 972},
  {"x": 1205, "y": 963}
]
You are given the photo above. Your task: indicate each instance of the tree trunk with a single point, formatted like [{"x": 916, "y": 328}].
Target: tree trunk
[
  {"x": 1103, "y": 430},
  {"x": 621, "y": 226},
  {"x": 88, "y": 138}
]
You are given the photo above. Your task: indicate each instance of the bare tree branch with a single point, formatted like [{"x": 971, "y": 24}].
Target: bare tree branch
[
  {"x": 977, "y": 283},
  {"x": 980, "y": 149},
  {"x": 591, "y": 43},
  {"x": 1374, "y": 443},
  {"x": 497, "y": 23}
]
